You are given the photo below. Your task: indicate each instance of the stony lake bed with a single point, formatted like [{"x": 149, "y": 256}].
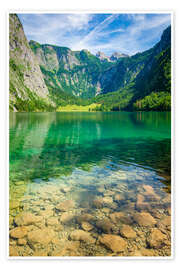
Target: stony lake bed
[{"x": 91, "y": 184}]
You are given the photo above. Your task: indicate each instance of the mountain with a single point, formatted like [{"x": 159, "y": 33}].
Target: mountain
[
  {"x": 123, "y": 72},
  {"x": 156, "y": 74},
  {"x": 75, "y": 72},
  {"x": 115, "y": 56},
  {"x": 102, "y": 56},
  {"x": 154, "y": 81},
  {"x": 140, "y": 82},
  {"x": 27, "y": 88},
  {"x": 45, "y": 76},
  {"x": 82, "y": 74}
]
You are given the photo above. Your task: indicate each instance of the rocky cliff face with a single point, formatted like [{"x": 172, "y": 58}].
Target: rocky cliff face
[
  {"x": 84, "y": 75},
  {"x": 102, "y": 56},
  {"x": 156, "y": 74},
  {"x": 146, "y": 71},
  {"x": 113, "y": 58},
  {"x": 75, "y": 72},
  {"x": 43, "y": 77},
  {"x": 26, "y": 80},
  {"x": 123, "y": 73}
]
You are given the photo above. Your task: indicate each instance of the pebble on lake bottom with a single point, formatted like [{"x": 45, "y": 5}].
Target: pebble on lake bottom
[{"x": 118, "y": 219}]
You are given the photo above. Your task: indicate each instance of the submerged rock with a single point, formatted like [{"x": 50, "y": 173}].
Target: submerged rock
[
  {"x": 147, "y": 252},
  {"x": 166, "y": 221},
  {"x": 80, "y": 235},
  {"x": 169, "y": 210},
  {"x": 85, "y": 217},
  {"x": 13, "y": 251},
  {"x": 119, "y": 197},
  {"x": 107, "y": 200},
  {"x": 136, "y": 253},
  {"x": 119, "y": 217},
  {"x": 27, "y": 218},
  {"x": 31, "y": 228},
  {"x": 140, "y": 203},
  {"x": 40, "y": 253},
  {"x": 67, "y": 217},
  {"x": 84, "y": 204},
  {"x": 144, "y": 252},
  {"x": 116, "y": 217},
  {"x": 156, "y": 238},
  {"x": 98, "y": 203},
  {"x": 156, "y": 213},
  {"x": 113, "y": 242},
  {"x": 70, "y": 248},
  {"x": 52, "y": 221},
  {"x": 65, "y": 205},
  {"x": 43, "y": 237},
  {"x": 46, "y": 213},
  {"x": 167, "y": 200},
  {"x": 144, "y": 219},
  {"x": 150, "y": 193},
  {"x": 22, "y": 241},
  {"x": 101, "y": 202},
  {"x": 105, "y": 225},
  {"x": 86, "y": 226},
  {"x": 106, "y": 210},
  {"x": 127, "y": 232},
  {"x": 18, "y": 232}
]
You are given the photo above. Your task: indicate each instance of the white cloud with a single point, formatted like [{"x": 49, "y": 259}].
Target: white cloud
[
  {"x": 130, "y": 40},
  {"x": 46, "y": 28},
  {"x": 94, "y": 34},
  {"x": 147, "y": 23},
  {"x": 130, "y": 32},
  {"x": 78, "y": 21}
]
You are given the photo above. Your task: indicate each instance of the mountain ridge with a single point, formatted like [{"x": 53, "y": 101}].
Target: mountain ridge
[{"x": 79, "y": 77}]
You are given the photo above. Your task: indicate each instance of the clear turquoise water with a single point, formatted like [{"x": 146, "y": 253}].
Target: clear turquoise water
[
  {"x": 121, "y": 151},
  {"x": 44, "y": 145}
]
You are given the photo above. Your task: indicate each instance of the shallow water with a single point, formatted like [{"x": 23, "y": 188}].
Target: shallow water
[{"x": 90, "y": 184}]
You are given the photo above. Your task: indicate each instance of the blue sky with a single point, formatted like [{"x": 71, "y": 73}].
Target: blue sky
[{"x": 125, "y": 33}]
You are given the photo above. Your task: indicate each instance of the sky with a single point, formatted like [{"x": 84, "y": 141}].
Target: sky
[{"x": 108, "y": 33}]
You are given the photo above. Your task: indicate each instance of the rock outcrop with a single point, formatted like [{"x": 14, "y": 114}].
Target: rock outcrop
[
  {"x": 102, "y": 56},
  {"x": 26, "y": 80},
  {"x": 115, "y": 56}
]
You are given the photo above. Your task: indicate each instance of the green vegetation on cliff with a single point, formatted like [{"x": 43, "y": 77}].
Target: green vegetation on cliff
[
  {"x": 74, "y": 72},
  {"x": 48, "y": 77},
  {"x": 27, "y": 89},
  {"x": 154, "y": 102},
  {"x": 114, "y": 101}
]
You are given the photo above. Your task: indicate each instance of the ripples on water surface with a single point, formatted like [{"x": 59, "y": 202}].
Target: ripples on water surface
[{"x": 90, "y": 184}]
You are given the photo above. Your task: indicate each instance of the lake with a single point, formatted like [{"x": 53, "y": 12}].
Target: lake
[{"x": 90, "y": 184}]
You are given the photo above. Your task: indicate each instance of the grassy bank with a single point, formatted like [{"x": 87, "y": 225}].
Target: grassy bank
[{"x": 78, "y": 108}]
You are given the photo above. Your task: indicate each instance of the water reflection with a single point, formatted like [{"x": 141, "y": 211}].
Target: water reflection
[
  {"x": 82, "y": 181},
  {"x": 45, "y": 141}
]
